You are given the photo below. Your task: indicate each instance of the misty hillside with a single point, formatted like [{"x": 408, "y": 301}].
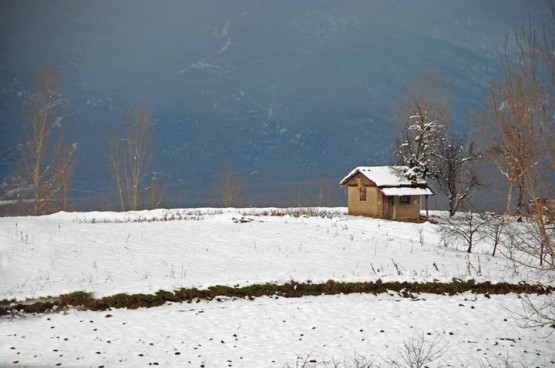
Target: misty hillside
[{"x": 288, "y": 91}]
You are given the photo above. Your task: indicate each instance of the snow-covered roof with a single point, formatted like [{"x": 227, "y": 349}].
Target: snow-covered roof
[
  {"x": 406, "y": 191},
  {"x": 384, "y": 176}
]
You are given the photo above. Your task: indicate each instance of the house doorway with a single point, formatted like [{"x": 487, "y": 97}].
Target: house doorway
[{"x": 388, "y": 204}]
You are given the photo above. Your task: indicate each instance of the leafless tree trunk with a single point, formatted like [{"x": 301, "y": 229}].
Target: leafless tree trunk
[
  {"x": 46, "y": 161},
  {"x": 130, "y": 157}
]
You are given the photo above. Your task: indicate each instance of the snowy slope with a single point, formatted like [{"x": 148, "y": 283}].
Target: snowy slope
[{"x": 108, "y": 253}]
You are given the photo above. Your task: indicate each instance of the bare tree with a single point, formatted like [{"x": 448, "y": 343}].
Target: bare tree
[
  {"x": 521, "y": 107},
  {"x": 457, "y": 176},
  {"x": 46, "y": 161},
  {"x": 468, "y": 228},
  {"x": 541, "y": 178},
  {"x": 513, "y": 146},
  {"x": 418, "y": 352},
  {"x": 494, "y": 231},
  {"x": 521, "y": 143},
  {"x": 525, "y": 151},
  {"x": 230, "y": 186},
  {"x": 533, "y": 240},
  {"x": 130, "y": 157},
  {"x": 424, "y": 116}
]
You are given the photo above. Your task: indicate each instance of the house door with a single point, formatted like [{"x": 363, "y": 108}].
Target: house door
[{"x": 388, "y": 211}]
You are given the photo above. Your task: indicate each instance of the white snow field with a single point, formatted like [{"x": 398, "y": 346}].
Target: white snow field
[
  {"x": 143, "y": 252},
  {"x": 270, "y": 333},
  {"x": 109, "y": 253}
]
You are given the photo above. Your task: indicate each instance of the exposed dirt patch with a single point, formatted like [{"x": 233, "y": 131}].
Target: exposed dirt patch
[{"x": 84, "y": 300}]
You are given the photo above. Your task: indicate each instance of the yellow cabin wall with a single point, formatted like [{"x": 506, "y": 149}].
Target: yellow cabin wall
[
  {"x": 371, "y": 207},
  {"x": 410, "y": 211}
]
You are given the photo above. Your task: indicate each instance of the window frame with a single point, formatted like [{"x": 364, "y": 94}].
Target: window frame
[
  {"x": 404, "y": 199},
  {"x": 362, "y": 194}
]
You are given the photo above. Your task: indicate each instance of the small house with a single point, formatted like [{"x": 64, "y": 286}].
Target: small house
[{"x": 385, "y": 192}]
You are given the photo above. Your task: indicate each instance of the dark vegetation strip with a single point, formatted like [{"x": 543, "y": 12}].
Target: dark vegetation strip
[{"x": 84, "y": 300}]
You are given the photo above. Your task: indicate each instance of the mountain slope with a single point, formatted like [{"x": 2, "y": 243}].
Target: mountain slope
[{"x": 282, "y": 89}]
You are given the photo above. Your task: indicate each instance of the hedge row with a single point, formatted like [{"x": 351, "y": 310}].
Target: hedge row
[{"x": 83, "y": 300}]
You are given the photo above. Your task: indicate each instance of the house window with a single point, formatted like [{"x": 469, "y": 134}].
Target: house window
[
  {"x": 404, "y": 199},
  {"x": 362, "y": 193}
]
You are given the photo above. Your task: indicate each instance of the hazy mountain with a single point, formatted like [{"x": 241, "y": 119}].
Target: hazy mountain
[{"x": 287, "y": 90}]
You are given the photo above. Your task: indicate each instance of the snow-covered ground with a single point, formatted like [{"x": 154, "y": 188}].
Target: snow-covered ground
[
  {"x": 108, "y": 253},
  {"x": 270, "y": 333}
]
